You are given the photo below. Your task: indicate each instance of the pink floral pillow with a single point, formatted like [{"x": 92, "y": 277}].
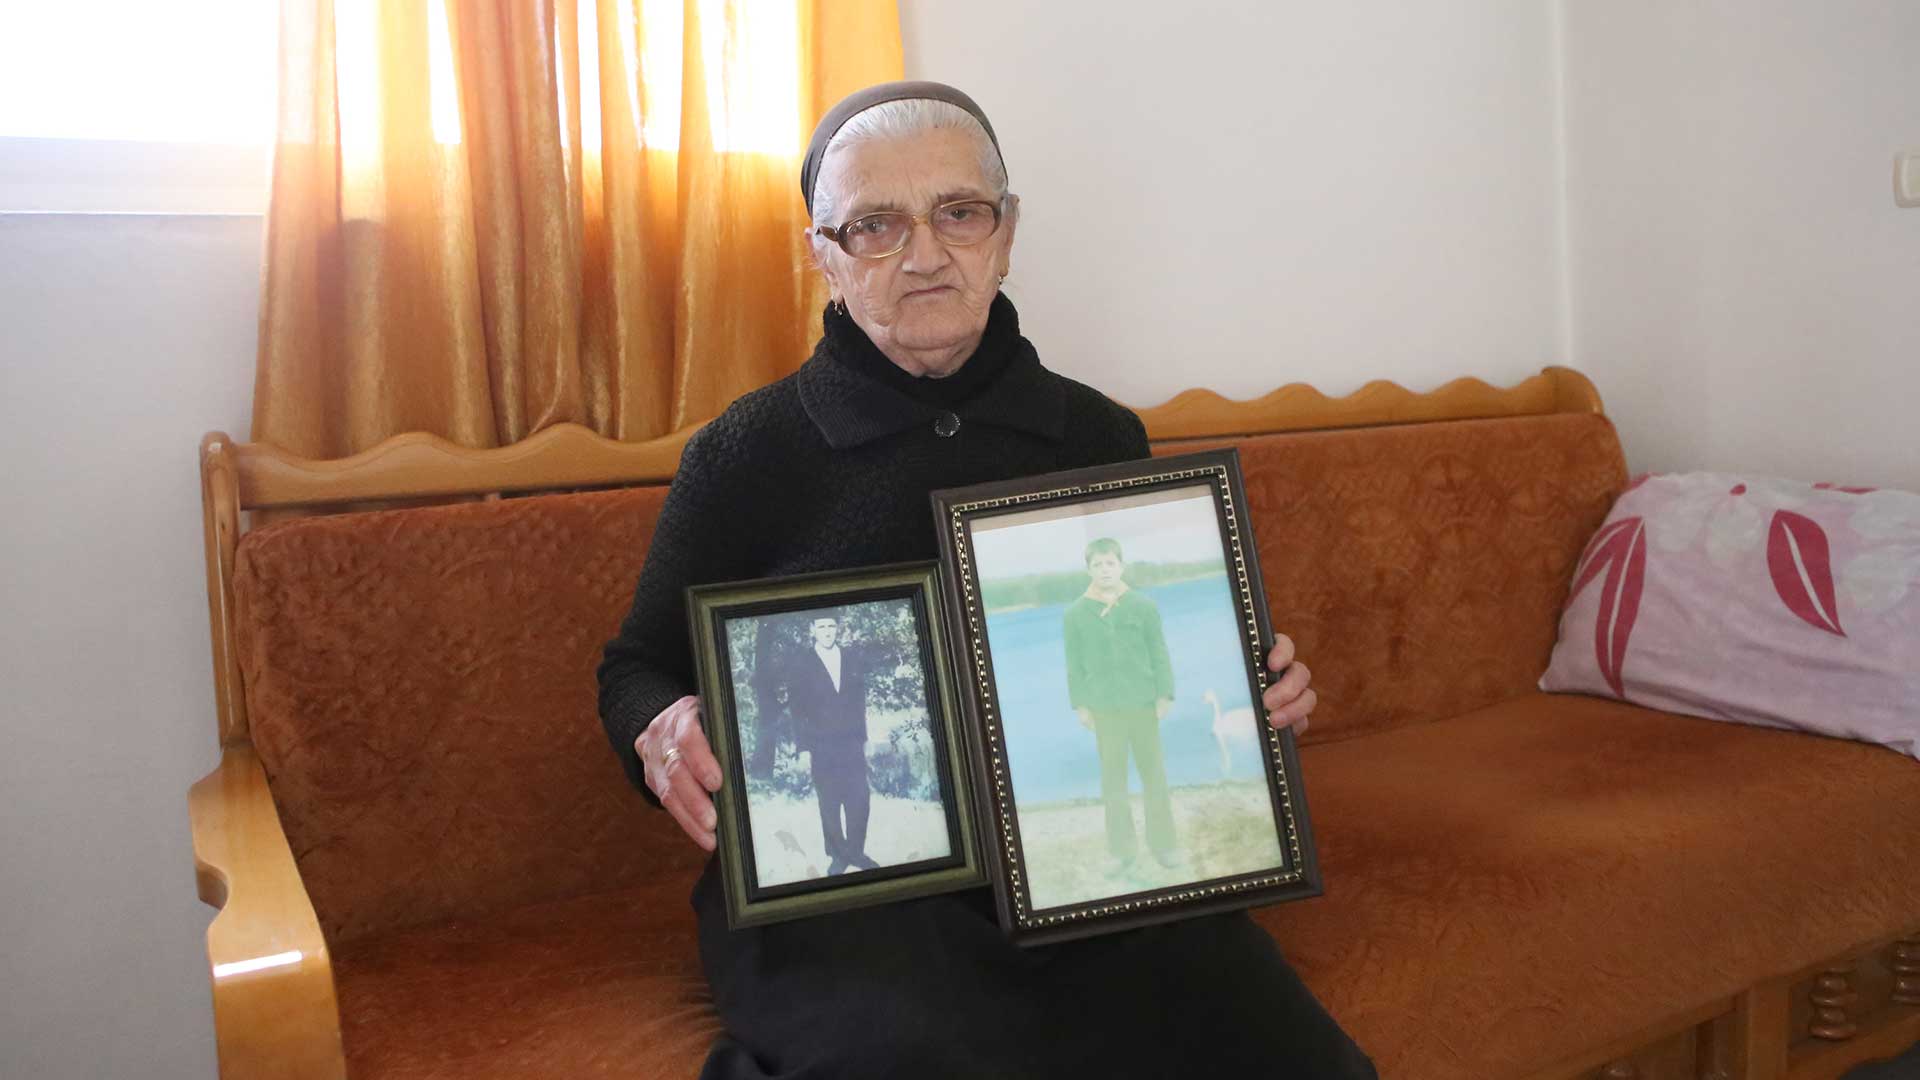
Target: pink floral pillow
[{"x": 1760, "y": 601}]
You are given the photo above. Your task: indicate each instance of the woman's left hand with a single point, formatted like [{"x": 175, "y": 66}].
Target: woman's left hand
[{"x": 1288, "y": 700}]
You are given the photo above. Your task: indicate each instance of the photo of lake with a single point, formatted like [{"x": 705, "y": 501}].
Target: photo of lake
[
  {"x": 1051, "y": 756},
  {"x": 1034, "y": 566}
]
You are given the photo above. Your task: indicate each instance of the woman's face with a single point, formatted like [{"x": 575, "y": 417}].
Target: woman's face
[{"x": 925, "y": 306}]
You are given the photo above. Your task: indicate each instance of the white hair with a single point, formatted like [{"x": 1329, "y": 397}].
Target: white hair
[{"x": 898, "y": 120}]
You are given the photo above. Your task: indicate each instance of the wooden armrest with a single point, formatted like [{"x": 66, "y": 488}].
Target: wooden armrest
[{"x": 274, "y": 1010}]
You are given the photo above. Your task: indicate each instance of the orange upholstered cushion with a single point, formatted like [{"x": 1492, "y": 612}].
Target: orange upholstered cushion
[
  {"x": 1504, "y": 889},
  {"x": 420, "y": 689},
  {"x": 1421, "y": 569},
  {"x": 599, "y": 986},
  {"x": 1509, "y": 887}
]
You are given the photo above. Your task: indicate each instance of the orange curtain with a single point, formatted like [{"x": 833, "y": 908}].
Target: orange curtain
[{"x": 489, "y": 216}]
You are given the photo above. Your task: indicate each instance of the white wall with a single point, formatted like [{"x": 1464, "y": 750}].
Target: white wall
[
  {"x": 122, "y": 339},
  {"x": 1744, "y": 289},
  {"x": 1243, "y": 193}
]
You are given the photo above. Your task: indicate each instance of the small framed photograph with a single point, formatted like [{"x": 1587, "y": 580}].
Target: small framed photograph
[
  {"x": 1114, "y": 634},
  {"x": 830, "y": 706}
]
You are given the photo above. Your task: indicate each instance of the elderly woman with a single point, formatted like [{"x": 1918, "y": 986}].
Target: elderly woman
[{"x": 921, "y": 380}]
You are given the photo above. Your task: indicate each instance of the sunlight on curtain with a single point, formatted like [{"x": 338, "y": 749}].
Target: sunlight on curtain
[
  {"x": 751, "y": 75},
  {"x": 492, "y": 218},
  {"x": 443, "y": 92}
]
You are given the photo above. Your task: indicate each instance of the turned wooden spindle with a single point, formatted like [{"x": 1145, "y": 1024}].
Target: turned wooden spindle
[
  {"x": 1906, "y": 971},
  {"x": 1620, "y": 1070},
  {"x": 1832, "y": 993}
]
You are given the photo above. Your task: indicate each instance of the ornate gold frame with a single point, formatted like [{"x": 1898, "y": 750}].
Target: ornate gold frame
[{"x": 955, "y": 509}]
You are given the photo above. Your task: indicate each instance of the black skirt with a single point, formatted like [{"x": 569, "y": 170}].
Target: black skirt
[{"x": 932, "y": 988}]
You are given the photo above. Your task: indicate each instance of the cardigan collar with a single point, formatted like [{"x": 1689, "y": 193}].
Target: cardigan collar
[{"x": 851, "y": 406}]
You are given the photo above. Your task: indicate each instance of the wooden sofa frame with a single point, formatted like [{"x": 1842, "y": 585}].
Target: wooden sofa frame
[{"x": 275, "y": 1009}]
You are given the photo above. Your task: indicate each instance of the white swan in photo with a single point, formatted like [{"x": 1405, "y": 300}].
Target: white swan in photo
[{"x": 1230, "y": 728}]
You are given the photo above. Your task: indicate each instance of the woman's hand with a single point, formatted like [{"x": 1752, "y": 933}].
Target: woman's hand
[
  {"x": 681, "y": 769},
  {"x": 1288, "y": 700}
]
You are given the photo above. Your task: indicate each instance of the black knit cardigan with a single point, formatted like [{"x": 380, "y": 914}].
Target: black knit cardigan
[{"x": 829, "y": 469}]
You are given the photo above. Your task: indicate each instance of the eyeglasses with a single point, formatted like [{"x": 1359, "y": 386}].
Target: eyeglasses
[{"x": 956, "y": 224}]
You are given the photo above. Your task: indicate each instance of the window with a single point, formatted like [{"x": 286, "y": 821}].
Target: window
[
  {"x": 132, "y": 105},
  {"x": 170, "y": 107}
]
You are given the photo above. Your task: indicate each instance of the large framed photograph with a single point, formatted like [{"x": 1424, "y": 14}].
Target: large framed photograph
[
  {"x": 830, "y": 707},
  {"x": 1114, "y": 633}
]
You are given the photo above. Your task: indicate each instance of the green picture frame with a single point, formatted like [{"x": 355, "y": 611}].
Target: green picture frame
[{"x": 759, "y": 879}]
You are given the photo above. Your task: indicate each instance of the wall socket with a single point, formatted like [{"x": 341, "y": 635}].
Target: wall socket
[{"x": 1906, "y": 179}]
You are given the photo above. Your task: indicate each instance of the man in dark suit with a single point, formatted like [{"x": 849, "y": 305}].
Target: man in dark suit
[{"x": 827, "y": 693}]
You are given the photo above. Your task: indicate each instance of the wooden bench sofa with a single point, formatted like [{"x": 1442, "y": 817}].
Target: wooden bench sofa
[{"x": 428, "y": 865}]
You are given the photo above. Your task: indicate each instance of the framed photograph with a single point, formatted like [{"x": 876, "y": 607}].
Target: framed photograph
[
  {"x": 1115, "y": 634},
  {"x": 830, "y": 706}
]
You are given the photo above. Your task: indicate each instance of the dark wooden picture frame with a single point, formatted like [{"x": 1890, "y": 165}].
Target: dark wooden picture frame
[
  {"x": 959, "y": 512},
  {"x": 711, "y": 610}
]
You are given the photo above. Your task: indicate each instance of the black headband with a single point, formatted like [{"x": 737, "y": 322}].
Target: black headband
[{"x": 860, "y": 101}]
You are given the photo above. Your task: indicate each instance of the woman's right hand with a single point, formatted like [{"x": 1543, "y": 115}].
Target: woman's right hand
[{"x": 681, "y": 769}]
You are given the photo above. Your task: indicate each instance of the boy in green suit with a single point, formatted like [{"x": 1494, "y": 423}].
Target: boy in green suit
[{"x": 1120, "y": 682}]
